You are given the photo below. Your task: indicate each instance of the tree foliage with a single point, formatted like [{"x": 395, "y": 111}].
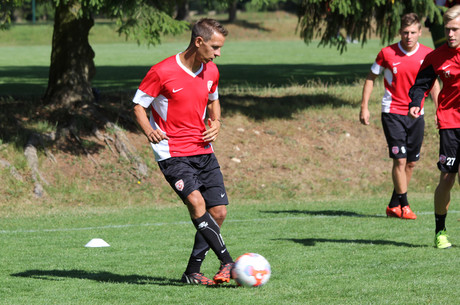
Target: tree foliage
[{"x": 335, "y": 20}]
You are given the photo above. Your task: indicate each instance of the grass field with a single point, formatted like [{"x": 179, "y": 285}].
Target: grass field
[
  {"x": 321, "y": 252},
  {"x": 317, "y": 216}
]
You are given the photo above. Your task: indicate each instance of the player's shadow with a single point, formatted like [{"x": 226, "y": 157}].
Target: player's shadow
[
  {"x": 99, "y": 276},
  {"x": 324, "y": 213},
  {"x": 105, "y": 277},
  {"x": 310, "y": 242}
]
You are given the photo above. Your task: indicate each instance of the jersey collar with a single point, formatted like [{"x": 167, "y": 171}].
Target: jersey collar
[
  {"x": 186, "y": 69},
  {"x": 408, "y": 53}
]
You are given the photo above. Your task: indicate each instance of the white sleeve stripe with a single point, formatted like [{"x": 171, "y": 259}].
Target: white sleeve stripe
[
  {"x": 376, "y": 68},
  {"x": 214, "y": 96},
  {"x": 143, "y": 98}
]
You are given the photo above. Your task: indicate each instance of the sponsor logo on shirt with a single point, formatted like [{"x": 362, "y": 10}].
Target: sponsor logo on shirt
[{"x": 177, "y": 90}]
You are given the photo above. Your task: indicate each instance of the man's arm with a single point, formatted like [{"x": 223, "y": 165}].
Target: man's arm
[
  {"x": 154, "y": 136},
  {"x": 425, "y": 81},
  {"x": 364, "y": 114},
  {"x": 214, "y": 124}
]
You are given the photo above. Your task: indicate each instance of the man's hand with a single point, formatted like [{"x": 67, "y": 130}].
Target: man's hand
[
  {"x": 364, "y": 116},
  {"x": 414, "y": 112},
  {"x": 156, "y": 136},
  {"x": 211, "y": 134}
]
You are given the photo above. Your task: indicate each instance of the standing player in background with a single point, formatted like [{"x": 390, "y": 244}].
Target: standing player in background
[
  {"x": 178, "y": 92},
  {"x": 443, "y": 63},
  {"x": 399, "y": 63}
]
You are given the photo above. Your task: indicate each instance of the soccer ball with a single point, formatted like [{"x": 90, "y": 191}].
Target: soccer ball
[{"x": 251, "y": 270}]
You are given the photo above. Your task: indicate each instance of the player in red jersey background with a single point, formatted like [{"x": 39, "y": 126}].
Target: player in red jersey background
[
  {"x": 399, "y": 63},
  {"x": 443, "y": 63}
]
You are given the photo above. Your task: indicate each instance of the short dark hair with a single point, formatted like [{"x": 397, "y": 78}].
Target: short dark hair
[
  {"x": 410, "y": 19},
  {"x": 205, "y": 27}
]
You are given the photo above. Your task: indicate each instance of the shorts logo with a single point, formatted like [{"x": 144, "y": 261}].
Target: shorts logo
[
  {"x": 179, "y": 185},
  {"x": 442, "y": 159},
  {"x": 209, "y": 85},
  {"x": 395, "y": 150},
  {"x": 403, "y": 149},
  {"x": 203, "y": 225}
]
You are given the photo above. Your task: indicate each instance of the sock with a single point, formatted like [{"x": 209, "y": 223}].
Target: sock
[
  {"x": 394, "y": 201},
  {"x": 210, "y": 230},
  {"x": 403, "y": 199},
  {"x": 440, "y": 222},
  {"x": 200, "y": 249}
]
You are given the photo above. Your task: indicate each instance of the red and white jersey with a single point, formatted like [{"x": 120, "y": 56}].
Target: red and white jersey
[
  {"x": 178, "y": 99},
  {"x": 444, "y": 62},
  {"x": 399, "y": 70}
]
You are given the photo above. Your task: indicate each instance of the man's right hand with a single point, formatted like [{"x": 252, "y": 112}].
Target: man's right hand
[{"x": 364, "y": 116}]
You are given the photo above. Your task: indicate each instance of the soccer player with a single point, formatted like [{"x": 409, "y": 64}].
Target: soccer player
[
  {"x": 443, "y": 63},
  {"x": 399, "y": 63},
  {"x": 178, "y": 92}
]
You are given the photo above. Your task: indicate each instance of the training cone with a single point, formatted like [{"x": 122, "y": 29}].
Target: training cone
[{"x": 97, "y": 243}]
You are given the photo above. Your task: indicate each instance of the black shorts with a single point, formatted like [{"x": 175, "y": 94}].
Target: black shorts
[
  {"x": 404, "y": 135},
  {"x": 201, "y": 172},
  {"x": 449, "y": 150}
]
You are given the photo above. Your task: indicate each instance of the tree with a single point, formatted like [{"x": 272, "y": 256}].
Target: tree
[
  {"x": 334, "y": 20},
  {"x": 72, "y": 58}
]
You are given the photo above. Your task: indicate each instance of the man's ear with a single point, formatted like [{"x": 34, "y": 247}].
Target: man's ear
[{"x": 198, "y": 41}]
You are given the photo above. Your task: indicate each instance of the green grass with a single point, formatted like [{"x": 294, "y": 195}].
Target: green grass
[{"x": 321, "y": 252}]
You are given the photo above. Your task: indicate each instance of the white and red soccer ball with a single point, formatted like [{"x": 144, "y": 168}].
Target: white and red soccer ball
[{"x": 251, "y": 270}]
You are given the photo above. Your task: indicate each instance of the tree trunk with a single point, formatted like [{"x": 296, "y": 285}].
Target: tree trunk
[
  {"x": 232, "y": 10},
  {"x": 182, "y": 10},
  {"x": 72, "y": 59}
]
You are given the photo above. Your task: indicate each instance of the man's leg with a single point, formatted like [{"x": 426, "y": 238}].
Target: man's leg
[
  {"x": 210, "y": 230},
  {"x": 441, "y": 205},
  {"x": 401, "y": 174},
  {"x": 200, "y": 246}
]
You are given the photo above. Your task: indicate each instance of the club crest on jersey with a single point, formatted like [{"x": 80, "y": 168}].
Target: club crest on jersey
[
  {"x": 209, "y": 85},
  {"x": 442, "y": 159},
  {"x": 395, "y": 70},
  {"x": 446, "y": 74},
  {"x": 395, "y": 150},
  {"x": 179, "y": 185}
]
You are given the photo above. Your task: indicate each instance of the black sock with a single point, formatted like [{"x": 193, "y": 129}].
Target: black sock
[
  {"x": 200, "y": 249},
  {"x": 210, "y": 230},
  {"x": 394, "y": 201},
  {"x": 403, "y": 199},
  {"x": 440, "y": 222}
]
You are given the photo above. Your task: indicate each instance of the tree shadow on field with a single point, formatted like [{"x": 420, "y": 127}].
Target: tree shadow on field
[
  {"x": 310, "y": 242},
  {"x": 99, "y": 276},
  {"x": 324, "y": 213},
  {"x": 284, "y": 107}
]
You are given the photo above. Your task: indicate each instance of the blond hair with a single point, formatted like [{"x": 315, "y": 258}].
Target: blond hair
[{"x": 451, "y": 13}]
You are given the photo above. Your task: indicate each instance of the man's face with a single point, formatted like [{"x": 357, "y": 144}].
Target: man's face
[
  {"x": 209, "y": 50},
  {"x": 452, "y": 30},
  {"x": 409, "y": 36}
]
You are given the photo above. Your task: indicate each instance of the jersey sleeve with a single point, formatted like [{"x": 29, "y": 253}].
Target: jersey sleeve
[
  {"x": 214, "y": 92},
  {"x": 151, "y": 84},
  {"x": 423, "y": 84},
  {"x": 378, "y": 65}
]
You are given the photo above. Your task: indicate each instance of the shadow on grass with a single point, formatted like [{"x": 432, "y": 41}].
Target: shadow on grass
[
  {"x": 324, "y": 213},
  {"x": 310, "y": 242},
  {"x": 99, "y": 276},
  {"x": 117, "y": 86},
  {"x": 33, "y": 80}
]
